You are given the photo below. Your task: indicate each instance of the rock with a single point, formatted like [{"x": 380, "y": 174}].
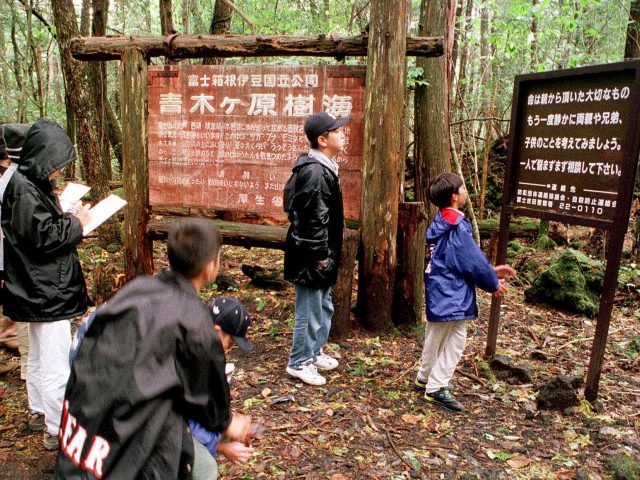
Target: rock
[
  {"x": 505, "y": 369},
  {"x": 581, "y": 474},
  {"x": 271, "y": 278},
  {"x": 557, "y": 394},
  {"x": 226, "y": 282},
  {"x": 624, "y": 467},
  {"x": 572, "y": 281},
  {"x": 610, "y": 433},
  {"x": 539, "y": 355}
]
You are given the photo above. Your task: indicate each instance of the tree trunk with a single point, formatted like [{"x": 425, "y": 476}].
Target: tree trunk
[
  {"x": 166, "y": 17},
  {"x": 135, "y": 175},
  {"x": 432, "y": 149},
  {"x": 341, "y": 324},
  {"x": 220, "y": 25},
  {"x": 409, "y": 299},
  {"x": 383, "y": 159},
  {"x": 79, "y": 92}
]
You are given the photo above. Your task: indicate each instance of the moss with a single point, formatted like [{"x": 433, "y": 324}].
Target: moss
[
  {"x": 484, "y": 370},
  {"x": 572, "y": 281},
  {"x": 545, "y": 243},
  {"x": 624, "y": 467},
  {"x": 515, "y": 246}
]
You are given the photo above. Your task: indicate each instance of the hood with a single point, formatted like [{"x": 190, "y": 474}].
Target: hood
[
  {"x": 303, "y": 159},
  {"x": 440, "y": 227},
  {"x": 46, "y": 149}
]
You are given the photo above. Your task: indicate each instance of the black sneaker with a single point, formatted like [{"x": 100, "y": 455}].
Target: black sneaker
[
  {"x": 419, "y": 385},
  {"x": 444, "y": 399}
]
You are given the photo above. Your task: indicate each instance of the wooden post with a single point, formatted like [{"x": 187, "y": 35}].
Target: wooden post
[
  {"x": 409, "y": 296},
  {"x": 341, "y": 324},
  {"x": 138, "y": 247},
  {"x": 383, "y": 159}
]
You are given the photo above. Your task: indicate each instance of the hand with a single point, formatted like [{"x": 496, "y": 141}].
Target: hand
[
  {"x": 324, "y": 265},
  {"x": 504, "y": 271},
  {"x": 84, "y": 215},
  {"x": 236, "y": 452},
  {"x": 238, "y": 428},
  {"x": 502, "y": 288}
]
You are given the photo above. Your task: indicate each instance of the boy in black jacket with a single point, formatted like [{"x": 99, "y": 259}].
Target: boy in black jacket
[{"x": 149, "y": 361}]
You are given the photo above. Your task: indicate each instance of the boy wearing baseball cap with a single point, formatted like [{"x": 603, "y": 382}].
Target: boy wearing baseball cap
[
  {"x": 313, "y": 245},
  {"x": 230, "y": 322}
]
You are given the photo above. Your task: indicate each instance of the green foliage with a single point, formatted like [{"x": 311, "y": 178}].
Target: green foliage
[
  {"x": 572, "y": 281},
  {"x": 545, "y": 243}
]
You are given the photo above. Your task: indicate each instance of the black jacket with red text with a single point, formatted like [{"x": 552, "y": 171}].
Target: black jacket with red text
[{"x": 149, "y": 361}]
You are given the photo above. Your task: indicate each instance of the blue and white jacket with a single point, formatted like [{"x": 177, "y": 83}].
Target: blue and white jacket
[{"x": 457, "y": 266}]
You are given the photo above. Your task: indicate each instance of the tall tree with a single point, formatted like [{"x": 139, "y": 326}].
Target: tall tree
[
  {"x": 220, "y": 24},
  {"x": 79, "y": 93},
  {"x": 432, "y": 148},
  {"x": 383, "y": 159}
]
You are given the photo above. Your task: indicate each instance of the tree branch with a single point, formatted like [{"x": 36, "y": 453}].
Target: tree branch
[{"x": 39, "y": 16}]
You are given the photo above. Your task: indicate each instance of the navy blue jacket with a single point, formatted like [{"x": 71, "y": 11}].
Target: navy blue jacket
[{"x": 457, "y": 266}]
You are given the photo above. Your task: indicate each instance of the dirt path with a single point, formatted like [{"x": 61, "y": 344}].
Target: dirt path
[{"x": 368, "y": 423}]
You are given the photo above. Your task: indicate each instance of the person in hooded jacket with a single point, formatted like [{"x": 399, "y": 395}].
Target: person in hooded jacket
[
  {"x": 313, "y": 245},
  {"x": 456, "y": 268},
  {"x": 44, "y": 284}
]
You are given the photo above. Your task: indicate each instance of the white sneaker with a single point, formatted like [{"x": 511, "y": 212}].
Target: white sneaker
[
  {"x": 325, "y": 362},
  {"x": 308, "y": 373}
]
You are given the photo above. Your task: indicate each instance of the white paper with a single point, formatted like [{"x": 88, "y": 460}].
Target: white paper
[
  {"x": 102, "y": 210},
  {"x": 72, "y": 193}
]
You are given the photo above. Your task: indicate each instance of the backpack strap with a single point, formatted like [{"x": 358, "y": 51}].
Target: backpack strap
[{"x": 4, "y": 181}]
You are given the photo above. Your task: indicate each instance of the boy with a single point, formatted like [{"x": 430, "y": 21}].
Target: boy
[
  {"x": 148, "y": 362},
  {"x": 230, "y": 322},
  {"x": 457, "y": 266},
  {"x": 313, "y": 246}
]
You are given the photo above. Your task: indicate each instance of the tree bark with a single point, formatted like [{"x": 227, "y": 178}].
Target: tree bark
[
  {"x": 383, "y": 159},
  {"x": 341, "y": 324},
  {"x": 409, "y": 299},
  {"x": 166, "y": 17},
  {"x": 432, "y": 148},
  {"x": 198, "y": 46},
  {"x": 79, "y": 92},
  {"x": 135, "y": 175},
  {"x": 220, "y": 25}
]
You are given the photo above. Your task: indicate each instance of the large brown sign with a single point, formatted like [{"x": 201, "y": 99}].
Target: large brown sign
[
  {"x": 226, "y": 137},
  {"x": 573, "y": 131}
]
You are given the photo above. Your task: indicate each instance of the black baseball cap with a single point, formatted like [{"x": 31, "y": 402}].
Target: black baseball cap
[
  {"x": 231, "y": 316},
  {"x": 320, "y": 123}
]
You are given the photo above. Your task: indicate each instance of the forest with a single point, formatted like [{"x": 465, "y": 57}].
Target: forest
[{"x": 527, "y": 415}]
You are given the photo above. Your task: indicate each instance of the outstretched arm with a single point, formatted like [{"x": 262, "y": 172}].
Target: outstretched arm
[{"x": 504, "y": 271}]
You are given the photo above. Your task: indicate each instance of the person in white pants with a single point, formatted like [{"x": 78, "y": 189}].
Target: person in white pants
[{"x": 44, "y": 285}]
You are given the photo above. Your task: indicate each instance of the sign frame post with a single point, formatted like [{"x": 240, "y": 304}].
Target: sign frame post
[{"x": 615, "y": 225}]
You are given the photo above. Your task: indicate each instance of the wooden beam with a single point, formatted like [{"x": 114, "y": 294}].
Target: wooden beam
[
  {"x": 199, "y": 46},
  {"x": 135, "y": 165}
]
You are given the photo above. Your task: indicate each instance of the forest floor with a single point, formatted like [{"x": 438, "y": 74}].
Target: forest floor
[{"x": 368, "y": 423}]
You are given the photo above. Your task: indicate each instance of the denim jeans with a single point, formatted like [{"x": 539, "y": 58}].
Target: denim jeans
[{"x": 312, "y": 324}]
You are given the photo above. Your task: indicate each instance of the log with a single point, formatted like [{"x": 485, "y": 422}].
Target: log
[
  {"x": 341, "y": 324},
  {"x": 409, "y": 294},
  {"x": 198, "y": 46},
  {"x": 241, "y": 234}
]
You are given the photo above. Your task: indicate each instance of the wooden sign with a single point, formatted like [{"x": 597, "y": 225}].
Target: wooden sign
[
  {"x": 572, "y": 134},
  {"x": 573, "y": 151},
  {"x": 225, "y": 137}
]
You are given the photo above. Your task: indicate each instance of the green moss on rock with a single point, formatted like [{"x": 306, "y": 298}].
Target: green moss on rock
[
  {"x": 572, "y": 281},
  {"x": 624, "y": 467}
]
